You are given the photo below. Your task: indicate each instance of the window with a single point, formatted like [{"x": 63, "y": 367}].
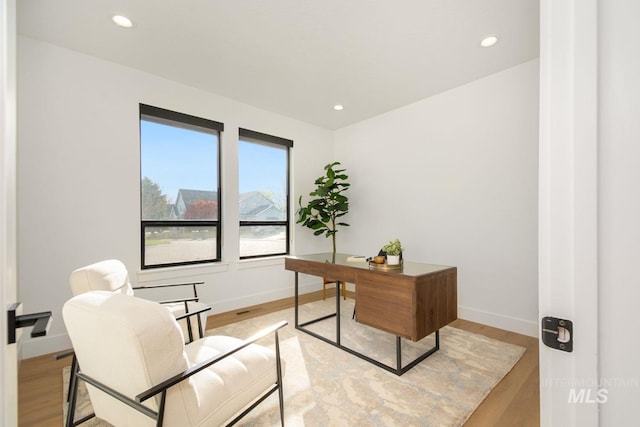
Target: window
[
  {"x": 264, "y": 194},
  {"x": 180, "y": 188}
]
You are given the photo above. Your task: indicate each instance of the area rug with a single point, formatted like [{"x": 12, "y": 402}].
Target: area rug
[{"x": 326, "y": 386}]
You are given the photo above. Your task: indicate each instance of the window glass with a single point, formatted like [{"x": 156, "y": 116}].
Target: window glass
[
  {"x": 264, "y": 195},
  {"x": 166, "y": 245},
  {"x": 180, "y": 196}
]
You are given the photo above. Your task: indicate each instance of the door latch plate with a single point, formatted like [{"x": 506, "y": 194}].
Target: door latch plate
[{"x": 557, "y": 333}]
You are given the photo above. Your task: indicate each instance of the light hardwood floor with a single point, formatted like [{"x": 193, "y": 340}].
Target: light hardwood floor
[{"x": 513, "y": 402}]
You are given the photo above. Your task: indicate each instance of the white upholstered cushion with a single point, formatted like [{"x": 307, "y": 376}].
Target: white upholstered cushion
[
  {"x": 131, "y": 344},
  {"x": 231, "y": 383},
  {"x": 177, "y": 309},
  {"x": 110, "y": 275}
]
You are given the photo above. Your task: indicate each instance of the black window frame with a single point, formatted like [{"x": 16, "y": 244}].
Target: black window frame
[
  {"x": 174, "y": 118},
  {"x": 288, "y": 143}
]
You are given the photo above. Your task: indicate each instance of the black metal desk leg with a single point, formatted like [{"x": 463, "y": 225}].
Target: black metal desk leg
[
  {"x": 398, "y": 355},
  {"x": 295, "y": 299},
  {"x": 338, "y": 312}
]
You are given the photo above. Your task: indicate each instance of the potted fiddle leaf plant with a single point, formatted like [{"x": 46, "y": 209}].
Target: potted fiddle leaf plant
[
  {"x": 322, "y": 213},
  {"x": 393, "y": 249}
]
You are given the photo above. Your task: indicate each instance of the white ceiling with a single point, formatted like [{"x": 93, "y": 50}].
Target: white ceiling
[{"x": 299, "y": 57}]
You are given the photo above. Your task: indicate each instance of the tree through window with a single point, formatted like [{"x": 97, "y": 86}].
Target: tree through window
[{"x": 180, "y": 190}]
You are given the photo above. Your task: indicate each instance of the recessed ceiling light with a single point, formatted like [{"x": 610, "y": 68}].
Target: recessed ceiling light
[
  {"x": 338, "y": 107},
  {"x": 122, "y": 21},
  {"x": 489, "y": 41}
]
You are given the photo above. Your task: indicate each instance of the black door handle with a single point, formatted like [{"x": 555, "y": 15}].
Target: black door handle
[{"x": 39, "y": 321}]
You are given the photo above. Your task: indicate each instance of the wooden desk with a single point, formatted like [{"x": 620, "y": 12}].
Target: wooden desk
[{"x": 411, "y": 303}]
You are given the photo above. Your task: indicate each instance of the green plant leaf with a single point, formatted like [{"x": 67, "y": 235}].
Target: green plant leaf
[{"x": 327, "y": 203}]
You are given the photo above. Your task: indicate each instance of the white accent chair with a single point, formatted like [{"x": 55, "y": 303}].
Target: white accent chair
[
  {"x": 112, "y": 275},
  {"x": 139, "y": 372}
]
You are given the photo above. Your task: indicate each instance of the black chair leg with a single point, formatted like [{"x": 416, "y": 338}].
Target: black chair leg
[
  {"x": 188, "y": 320},
  {"x": 281, "y": 406},
  {"x": 72, "y": 394},
  {"x": 200, "y": 328},
  {"x": 279, "y": 379},
  {"x": 72, "y": 378}
]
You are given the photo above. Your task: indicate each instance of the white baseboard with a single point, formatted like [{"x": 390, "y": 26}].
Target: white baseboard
[
  {"x": 260, "y": 298},
  {"x": 44, "y": 345},
  {"x": 513, "y": 324}
]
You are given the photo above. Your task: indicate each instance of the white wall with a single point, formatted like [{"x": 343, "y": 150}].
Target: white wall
[
  {"x": 454, "y": 177},
  {"x": 78, "y": 180},
  {"x": 619, "y": 176}
]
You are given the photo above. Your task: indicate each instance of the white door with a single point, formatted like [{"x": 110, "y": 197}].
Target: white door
[
  {"x": 8, "y": 355},
  {"x": 568, "y": 189}
]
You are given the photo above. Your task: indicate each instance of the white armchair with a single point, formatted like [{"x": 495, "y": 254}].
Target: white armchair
[
  {"x": 112, "y": 275},
  {"x": 139, "y": 372}
]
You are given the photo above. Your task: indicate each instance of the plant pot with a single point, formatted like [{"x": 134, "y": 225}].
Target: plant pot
[{"x": 393, "y": 259}]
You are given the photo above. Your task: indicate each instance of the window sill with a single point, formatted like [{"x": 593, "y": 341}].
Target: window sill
[
  {"x": 181, "y": 272},
  {"x": 260, "y": 262}
]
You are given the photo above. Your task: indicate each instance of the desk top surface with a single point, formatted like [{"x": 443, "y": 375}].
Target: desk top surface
[{"x": 408, "y": 268}]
